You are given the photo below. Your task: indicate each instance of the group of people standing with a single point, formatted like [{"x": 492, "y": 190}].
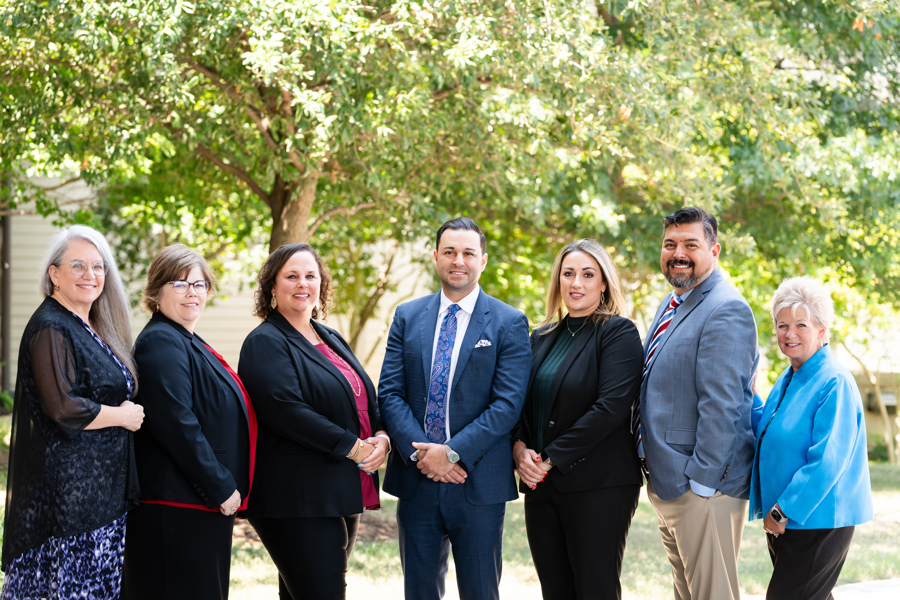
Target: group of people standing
[{"x": 581, "y": 410}]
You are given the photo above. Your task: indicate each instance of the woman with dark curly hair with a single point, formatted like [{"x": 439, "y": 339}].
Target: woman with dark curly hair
[{"x": 317, "y": 455}]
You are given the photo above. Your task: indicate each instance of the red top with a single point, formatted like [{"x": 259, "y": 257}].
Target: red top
[
  {"x": 251, "y": 420},
  {"x": 370, "y": 494}
]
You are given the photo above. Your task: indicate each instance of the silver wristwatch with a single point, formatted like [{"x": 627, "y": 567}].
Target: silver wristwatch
[{"x": 452, "y": 456}]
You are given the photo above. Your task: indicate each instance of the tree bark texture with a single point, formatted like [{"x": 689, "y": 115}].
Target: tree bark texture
[{"x": 291, "y": 207}]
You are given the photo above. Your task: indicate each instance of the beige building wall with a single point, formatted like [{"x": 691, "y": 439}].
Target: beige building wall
[{"x": 225, "y": 322}]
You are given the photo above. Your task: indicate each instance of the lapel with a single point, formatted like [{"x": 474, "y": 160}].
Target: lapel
[
  {"x": 335, "y": 344},
  {"x": 590, "y": 330},
  {"x": 427, "y": 326},
  {"x": 296, "y": 339},
  {"x": 683, "y": 311},
  {"x": 198, "y": 344},
  {"x": 659, "y": 312},
  {"x": 542, "y": 346},
  {"x": 480, "y": 319}
]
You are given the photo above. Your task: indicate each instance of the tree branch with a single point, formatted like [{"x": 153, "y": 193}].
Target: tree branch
[
  {"x": 287, "y": 111},
  {"x": 61, "y": 185},
  {"x": 261, "y": 122},
  {"x": 340, "y": 210},
  {"x": 206, "y": 153}
]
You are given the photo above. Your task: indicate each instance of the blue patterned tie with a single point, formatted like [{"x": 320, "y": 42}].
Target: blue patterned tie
[{"x": 436, "y": 411}]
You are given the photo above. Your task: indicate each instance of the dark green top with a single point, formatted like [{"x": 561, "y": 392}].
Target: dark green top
[{"x": 541, "y": 400}]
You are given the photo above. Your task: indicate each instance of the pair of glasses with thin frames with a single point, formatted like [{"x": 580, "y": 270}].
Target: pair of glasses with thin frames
[
  {"x": 201, "y": 287},
  {"x": 79, "y": 267}
]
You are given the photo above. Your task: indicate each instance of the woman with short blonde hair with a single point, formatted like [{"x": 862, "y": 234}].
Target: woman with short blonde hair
[{"x": 810, "y": 477}]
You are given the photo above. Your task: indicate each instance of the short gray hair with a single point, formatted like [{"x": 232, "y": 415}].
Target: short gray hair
[
  {"x": 111, "y": 312},
  {"x": 808, "y": 293}
]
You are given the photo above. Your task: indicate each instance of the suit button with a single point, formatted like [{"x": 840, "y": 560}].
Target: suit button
[{"x": 551, "y": 424}]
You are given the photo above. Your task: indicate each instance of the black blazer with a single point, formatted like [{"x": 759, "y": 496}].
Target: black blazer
[
  {"x": 194, "y": 445},
  {"x": 308, "y": 422},
  {"x": 588, "y": 432}
]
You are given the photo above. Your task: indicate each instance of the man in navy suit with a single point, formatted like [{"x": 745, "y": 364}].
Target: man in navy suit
[{"x": 451, "y": 389}]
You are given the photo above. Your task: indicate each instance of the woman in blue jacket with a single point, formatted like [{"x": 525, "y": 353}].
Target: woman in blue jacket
[{"x": 811, "y": 475}]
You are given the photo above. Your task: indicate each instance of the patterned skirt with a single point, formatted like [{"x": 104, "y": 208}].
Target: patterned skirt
[{"x": 86, "y": 565}]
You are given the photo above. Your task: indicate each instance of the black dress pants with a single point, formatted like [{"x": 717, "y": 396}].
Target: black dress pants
[
  {"x": 176, "y": 553},
  {"x": 807, "y": 562},
  {"x": 310, "y": 554},
  {"x": 577, "y": 539}
]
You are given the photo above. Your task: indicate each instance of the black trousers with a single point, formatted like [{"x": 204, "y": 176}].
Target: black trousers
[
  {"x": 807, "y": 562},
  {"x": 176, "y": 553},
  {"x": 310, "y": 554},
  {"x": 577, "y": 539}
]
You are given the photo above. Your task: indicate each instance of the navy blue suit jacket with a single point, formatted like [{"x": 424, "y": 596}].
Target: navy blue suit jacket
[{"x": 486, "y": 395}]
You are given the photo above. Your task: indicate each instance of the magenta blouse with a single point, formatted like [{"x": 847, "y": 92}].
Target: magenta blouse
[{"x": 369, "y": 493}]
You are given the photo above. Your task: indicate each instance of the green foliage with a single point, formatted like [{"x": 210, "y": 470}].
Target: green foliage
[{"x": 362, "y": 126}]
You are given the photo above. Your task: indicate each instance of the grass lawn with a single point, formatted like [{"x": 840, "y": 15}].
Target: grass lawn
[{"x": 375, "y": 566}]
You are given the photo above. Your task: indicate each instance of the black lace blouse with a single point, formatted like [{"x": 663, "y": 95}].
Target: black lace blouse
[{"x": 64, "y": 480}]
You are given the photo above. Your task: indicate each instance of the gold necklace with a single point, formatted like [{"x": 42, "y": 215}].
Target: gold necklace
[
  {"x": 356, "y": 392},
  {"x": 577, "y": 330}
]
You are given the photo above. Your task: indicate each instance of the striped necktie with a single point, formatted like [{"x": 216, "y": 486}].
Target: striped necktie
[{"x": 651, "y": 350}]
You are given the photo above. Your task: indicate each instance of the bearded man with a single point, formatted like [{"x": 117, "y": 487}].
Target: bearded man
[{"x": 692, "y": 417}]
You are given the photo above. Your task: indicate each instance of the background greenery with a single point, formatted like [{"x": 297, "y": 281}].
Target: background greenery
[{"x": 360, "y": 126}]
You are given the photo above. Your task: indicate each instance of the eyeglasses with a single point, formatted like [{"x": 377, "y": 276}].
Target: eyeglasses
[
  {"x": 200, "y": 286},
  {"x": 79, "y": 267}
]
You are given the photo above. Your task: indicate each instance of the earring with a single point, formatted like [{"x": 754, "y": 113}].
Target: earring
[
  {"x": 157, "y": 307},
  {"x": 274, "y": 302},
  {"x": 55, "y": 288}
]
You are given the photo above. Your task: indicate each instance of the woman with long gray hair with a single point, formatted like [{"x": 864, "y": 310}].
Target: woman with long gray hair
[{"x": 72, "y": 474}]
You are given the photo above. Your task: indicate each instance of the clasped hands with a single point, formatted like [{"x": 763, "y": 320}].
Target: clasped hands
[
  {"x": 531, "y": 469},
  {"x": 372, "y": 453},
  {"x": 434, "y": 464}
]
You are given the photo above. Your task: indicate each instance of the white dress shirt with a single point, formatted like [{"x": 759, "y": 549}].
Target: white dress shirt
[{"x": 463, "y": 316}]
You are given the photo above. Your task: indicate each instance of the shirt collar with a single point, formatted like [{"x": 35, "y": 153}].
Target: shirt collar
[
  {"x": 467, "y": 304},
  {"x": 685, "y": 295}
]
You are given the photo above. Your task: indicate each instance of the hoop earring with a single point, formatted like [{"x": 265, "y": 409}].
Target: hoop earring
[
  {"x": 55, "y": 288},
  {"x": 274, "y": 302},
  {"x": 157, "y": 307}
]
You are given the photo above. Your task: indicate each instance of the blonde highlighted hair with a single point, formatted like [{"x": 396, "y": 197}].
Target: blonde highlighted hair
[
  {"x": 612, "y": 301},
  {"x": 809, "y": 294}
]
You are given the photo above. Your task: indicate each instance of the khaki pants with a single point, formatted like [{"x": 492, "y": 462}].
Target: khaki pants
[{"x": 703, "y": 539}]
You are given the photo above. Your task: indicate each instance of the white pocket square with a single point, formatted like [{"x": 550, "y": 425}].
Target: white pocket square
[{"x": 482, "y": 343}]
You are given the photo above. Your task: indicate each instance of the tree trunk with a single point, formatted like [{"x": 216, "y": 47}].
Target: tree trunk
[
  {"x": 873, "y": 379},
  {"x": 291, "y": 207}
]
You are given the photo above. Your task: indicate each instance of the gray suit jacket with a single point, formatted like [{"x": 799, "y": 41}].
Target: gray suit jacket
[{"x": 696, "y": 398}]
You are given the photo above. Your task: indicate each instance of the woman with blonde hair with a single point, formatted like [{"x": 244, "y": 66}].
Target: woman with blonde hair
[
  {"x": 72, "y": 473},
  {"x": 811, "y": 473},
  {"x": 585, "y": 375}
]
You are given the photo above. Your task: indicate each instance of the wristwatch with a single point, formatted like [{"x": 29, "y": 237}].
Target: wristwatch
[
  {"x": 777, "y": 515},
  {"x": 452, "y": 456},
  {"x": 546, "y": 459}
]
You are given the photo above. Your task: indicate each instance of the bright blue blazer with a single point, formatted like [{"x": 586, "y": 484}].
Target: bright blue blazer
[{"x": 811, "y": 452}]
